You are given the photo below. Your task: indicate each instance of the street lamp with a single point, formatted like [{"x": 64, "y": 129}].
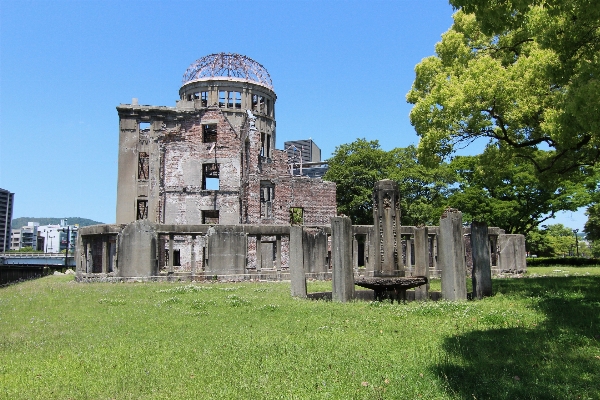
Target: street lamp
[{"x": 576, "y": 241}]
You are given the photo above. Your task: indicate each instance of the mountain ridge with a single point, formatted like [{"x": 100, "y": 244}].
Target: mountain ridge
[{"x": 22, "y": 221}]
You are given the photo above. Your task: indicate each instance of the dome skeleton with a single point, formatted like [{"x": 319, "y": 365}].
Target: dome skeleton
[{"x": 228, "y": 65}]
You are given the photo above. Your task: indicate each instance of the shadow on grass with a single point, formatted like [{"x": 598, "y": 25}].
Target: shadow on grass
[{"x": 557, "y": 358}]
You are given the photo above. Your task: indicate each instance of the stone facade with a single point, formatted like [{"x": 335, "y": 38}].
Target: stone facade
[{"x": 211, "y": 159}]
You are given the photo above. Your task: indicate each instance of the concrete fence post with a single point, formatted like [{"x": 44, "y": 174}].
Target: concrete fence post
[
  {"x": 341, "y": 253},
  {"x": 451, "y": 251},
  {"x": 297, "y": 275},
  {"x": 482, "y": 268},
  {"x": 422, "y": 261}
]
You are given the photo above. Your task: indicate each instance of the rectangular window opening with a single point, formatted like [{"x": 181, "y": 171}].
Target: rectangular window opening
[
  {"x": 144, "y": 126},
  {"x": 210, "y": 217},
  {"x": 177, "y": 258},
  {"x": 142, "y": 209},
  {"x": 222, "y": 98},
  {"x": 296, "y": 216},
  {"x": 209, "y": 133},
  {"x": 143, "y": 166},
  {"x": 238, "y": 100},
  {"x": 265, "y": 147},
  {"x": 254, "y": 102},
  {"x": 204, "y": 99},
  {"x": 210, "y": 177},
  {"x": 230, "y": 99},
  {"x": 267, "y": 195}
]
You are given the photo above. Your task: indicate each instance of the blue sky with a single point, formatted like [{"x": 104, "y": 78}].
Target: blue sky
[{"x": 341, "y": 70}]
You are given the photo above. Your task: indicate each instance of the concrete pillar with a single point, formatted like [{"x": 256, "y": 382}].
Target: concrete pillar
[
  {"x": 136, "y": 252},
  {"x": 372, "y": 251},
  {"x": 386, "y": 219},
  {"x": 451, "y": 248},
  {"x": 482, "y": 266},
  {"x": 511, "y": 253},
  {"x": 297, "y": 276},
  {"x": 354, "y": 253},
  {"x": 341, "y": 253},
  {"x": 422, "y": 261},
  {"x": 193, "y": 255},
  {"x": 170, "y": 272},
  {"x": 278, "y": 253},
  {"x": 258, "y": 253},
  {"x": 105, "y": 254},
  {"x": 409, "y": 258},
  {"x": 89, "y": 264}
]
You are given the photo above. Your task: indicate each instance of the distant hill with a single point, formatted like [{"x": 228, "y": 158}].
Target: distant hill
[{"x": 19, "y": 222}]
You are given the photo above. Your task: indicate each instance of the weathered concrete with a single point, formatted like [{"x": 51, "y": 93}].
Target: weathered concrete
[
  {"x": 386, "y": 219},
  {"x": 451, "y": 254},
  {"x": 137, "y": 250},
  {"x": 422, "y": 261},
  {"x": 511, "y": 257},
  {"x": 341, "y": 254},
  {"x": 315, "y": 250},
  {"x": 482, "y": 267},
  {"x": 226, "y": 251},
  {"x": 297, "y": 273}
]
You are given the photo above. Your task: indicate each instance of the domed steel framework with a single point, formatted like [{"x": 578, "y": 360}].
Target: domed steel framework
[{"x": 228, "y": 65}]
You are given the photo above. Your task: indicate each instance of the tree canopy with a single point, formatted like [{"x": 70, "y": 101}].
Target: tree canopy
[
  {"x": 492, "y": 187},
  {"x": 356, "y": 166},
  {"x": 523, "y": 74},
  {"x": 510, "y": 193}
]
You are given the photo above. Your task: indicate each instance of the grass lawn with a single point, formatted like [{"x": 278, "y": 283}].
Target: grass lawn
[{"x": 537, "y": 337}]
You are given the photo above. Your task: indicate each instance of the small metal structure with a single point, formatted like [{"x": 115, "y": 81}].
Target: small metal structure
[{"x": 228, "y": 65}]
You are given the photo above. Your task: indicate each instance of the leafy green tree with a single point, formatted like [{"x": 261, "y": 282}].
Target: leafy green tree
[
  {"x": 561, "y": 238},
  {"x": 356, "y": 166},
  {"x": 510, "y": 193},
  {"x": 592, "y": 228},
  {"x": 423, "y": 190},
  {"x": 553, "y": 241},
  {"x": 520, "y": 73},
  {"x": 537, "y": 243}
]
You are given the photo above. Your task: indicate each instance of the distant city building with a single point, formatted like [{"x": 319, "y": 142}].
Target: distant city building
[
  {"x": 307, "y": 150},
  {"x": 15, "y": 239},
  {"x": 29, "y": 235},
  {"x": 6, "y": 210},
  {"x": 46, "y": 238},
  {"x": 304, "y": 158}
]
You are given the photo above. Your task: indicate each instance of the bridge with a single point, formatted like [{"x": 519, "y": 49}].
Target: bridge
[
  {"x": 36, "y": 259},
  {"x": 23, "y": 266}
]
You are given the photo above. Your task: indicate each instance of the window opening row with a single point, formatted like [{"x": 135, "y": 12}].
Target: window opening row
[
  {"x": 229, "y": 99},
  {"x": 261, "y": 104},
  {"x": 203, "y": 96}
]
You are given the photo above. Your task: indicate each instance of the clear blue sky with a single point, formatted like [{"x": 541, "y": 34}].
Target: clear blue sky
[{"x": 341, "y": 70}]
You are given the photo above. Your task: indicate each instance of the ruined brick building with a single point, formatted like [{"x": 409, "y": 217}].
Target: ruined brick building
[{"x": 211, "y": 159}]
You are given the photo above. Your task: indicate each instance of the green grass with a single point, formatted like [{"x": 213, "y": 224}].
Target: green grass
[{"x": 535, "y": 338}]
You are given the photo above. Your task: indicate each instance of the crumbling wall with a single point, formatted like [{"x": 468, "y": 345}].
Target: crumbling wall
[{"x": 185, "y": 153}]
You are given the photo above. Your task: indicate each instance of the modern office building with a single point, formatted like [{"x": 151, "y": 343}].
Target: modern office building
[{"x": 6, "y": 212}]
